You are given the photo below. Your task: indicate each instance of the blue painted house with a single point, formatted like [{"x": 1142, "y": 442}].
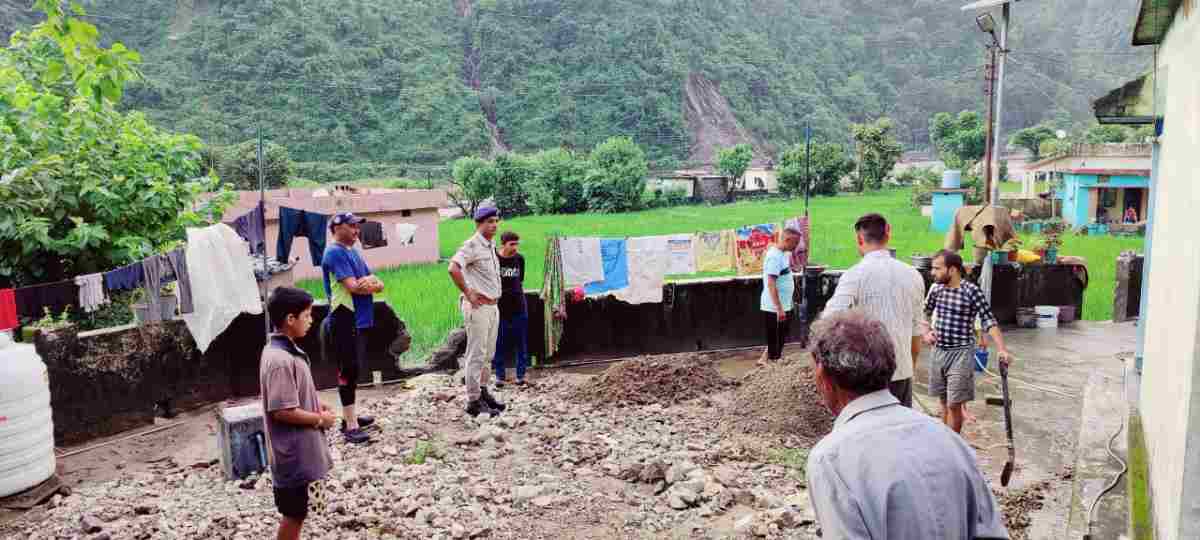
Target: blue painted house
[{"x": 1104, "y": 195}]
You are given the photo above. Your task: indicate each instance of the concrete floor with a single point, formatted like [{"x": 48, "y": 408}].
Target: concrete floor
[{"x": 1060, "y": 430}]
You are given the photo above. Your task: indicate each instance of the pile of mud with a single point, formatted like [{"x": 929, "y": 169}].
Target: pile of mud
[
  {"x": 664, "y": 380},
  {"x": 779, "y": 399}
]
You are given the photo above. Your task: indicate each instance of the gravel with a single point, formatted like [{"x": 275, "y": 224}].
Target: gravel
[
  {"x": 666, "y": 380},
  {"x": 779, "y": 399}
]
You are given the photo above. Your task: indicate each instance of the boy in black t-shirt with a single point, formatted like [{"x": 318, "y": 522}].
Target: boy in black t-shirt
[{"x": 514, "y": 315}]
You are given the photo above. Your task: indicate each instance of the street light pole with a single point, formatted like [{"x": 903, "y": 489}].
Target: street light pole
[{"x": 997, "y": 135}]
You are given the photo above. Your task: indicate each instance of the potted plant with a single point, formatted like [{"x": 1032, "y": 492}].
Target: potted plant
[{"x": 167, "y": 302}]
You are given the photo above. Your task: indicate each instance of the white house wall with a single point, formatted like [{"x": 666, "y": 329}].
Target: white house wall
[{"x": 1170, "y": 396}]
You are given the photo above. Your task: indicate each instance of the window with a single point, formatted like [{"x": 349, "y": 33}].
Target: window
[
  {"x": 759, "y": 182},
  {"x": 406, "y": 213}
]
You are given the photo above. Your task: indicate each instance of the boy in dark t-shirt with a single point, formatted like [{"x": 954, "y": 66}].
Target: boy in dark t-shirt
[{"x": 514, "y": 314}]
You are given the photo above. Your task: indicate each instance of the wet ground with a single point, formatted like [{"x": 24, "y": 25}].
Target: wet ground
[{"x": 1065, "y": 386}]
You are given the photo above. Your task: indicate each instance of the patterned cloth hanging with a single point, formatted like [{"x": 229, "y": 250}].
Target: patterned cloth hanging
[{"x": 554, "y": 302}]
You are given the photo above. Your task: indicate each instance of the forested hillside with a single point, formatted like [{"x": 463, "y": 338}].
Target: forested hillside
[{"x": 425, "y": 81}]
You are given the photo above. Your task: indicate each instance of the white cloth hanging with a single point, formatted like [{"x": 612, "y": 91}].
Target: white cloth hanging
[
  {"x": 223, "y": 285},
  {"x": 648, "y": 256},
  {"x": 682, "y": 248},
  {"x": 91, "y": 292},
  {"x": 581, "y": 261}
]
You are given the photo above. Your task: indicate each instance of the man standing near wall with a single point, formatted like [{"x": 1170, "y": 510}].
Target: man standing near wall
[
  {"x": 514, "y": 313},
  {"x": 891, "y": 292},
  {"x": 475, "y": 270},
  {"x": 351, "y": 316},
  {"x": 952, "y": 365},
  {"x": 886, "y": 471},
  {"x": 779, "y": 286}
]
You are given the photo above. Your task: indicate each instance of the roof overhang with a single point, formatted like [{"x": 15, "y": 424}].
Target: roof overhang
[
  {"x": 986, "y": 4},
  {"x": 1153, "y": 19},
  {"x": 1132, "y": 103},
  {"x": 1111, "y": 172}
]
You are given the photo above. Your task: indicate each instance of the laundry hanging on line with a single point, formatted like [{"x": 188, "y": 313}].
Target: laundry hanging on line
[
  {"x": 615, "y": 264},
  {"x": 91, "y": 292},
  {"x": 8, "y": 310},
  {"x": 752, "y": 245},
  {"x": 125, "y": 278},
  {"x": 647, "y": 258},
  {"x": 301, "y": 223},
  {"x": 581, "y": 261},
  {"x": 799, "y": 257},
  {"x": 406, "y": 234},
  {"x": 372, "y": 235},
  {"x": 222, "y": 282},
  {"x": 715, "y": 251},
  {"x": 682, "y": 254},
  {"x": 32, "y": 302},
  {"x": 251, "y": 226}
]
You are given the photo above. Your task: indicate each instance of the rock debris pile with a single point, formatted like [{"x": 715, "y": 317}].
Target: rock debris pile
[
  {"x": 666, "y": 380},
  {"x": 779, "y": 399}
]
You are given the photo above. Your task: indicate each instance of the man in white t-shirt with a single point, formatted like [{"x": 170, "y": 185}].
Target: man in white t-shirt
[{"x": 779, "y": 285}]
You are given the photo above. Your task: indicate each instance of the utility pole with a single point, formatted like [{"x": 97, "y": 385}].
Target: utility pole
[
  {"x": 989, "y": 90},
  {"x": 807, "y": 165},
  {"x": 997, "y": 135}
]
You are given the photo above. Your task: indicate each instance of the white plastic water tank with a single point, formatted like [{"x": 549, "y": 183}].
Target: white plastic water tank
[{"x": 26, "y": 428}]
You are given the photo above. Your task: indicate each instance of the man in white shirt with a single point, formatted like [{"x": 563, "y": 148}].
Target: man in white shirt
[{"x": 891, "y": 292}]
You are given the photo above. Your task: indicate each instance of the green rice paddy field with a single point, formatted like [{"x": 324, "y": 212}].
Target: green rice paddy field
[{"x": 426, "y": 300}]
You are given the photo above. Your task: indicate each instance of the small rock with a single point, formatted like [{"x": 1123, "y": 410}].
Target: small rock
[
  {"x": 744, "y": 525},
  {"x": 526, "y": 493},
  {"x": 679, "y": 471},
  {"x": 389, "y": 451},
  {"x": 686, "y": 494},
  {"x": 458, "y": 531},
  {"x": 677, "y": 502},
  {"x": 101, "y": 536},
  {"x": 545, "y": 501},
  {"x": 91, "y": 524},
  {"x": 145, "y": 509},
  {"x": 55, "y": 501}
]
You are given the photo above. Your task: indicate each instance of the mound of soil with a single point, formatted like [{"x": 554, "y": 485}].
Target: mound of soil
[
  {"x": 779, "y": 399},
  {"x": 662, "y": 379}
]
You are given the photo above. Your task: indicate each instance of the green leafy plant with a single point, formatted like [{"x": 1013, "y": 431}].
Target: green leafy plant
[
  {"x": 1031, "y": 138},
  {"x": 960, "y": 140},
  {"x": 422, "y": 451},
  {"x": 50, "y": 322},
  {"x": 238, "y": 165},
  {"x": 617, "y": 179},
  {"x": 473, "y": 181},
  {"x": 85, "y": 187},
  {"x": 829, "y": 164},
  {"x": 733, "y": 162},
  {"x": 878, "y": 150},
  {"x": 557, "y": 186}
]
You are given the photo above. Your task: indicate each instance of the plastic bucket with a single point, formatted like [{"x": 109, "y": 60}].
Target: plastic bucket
[
  {"x": 1051, "y": 256},
  {"x": 1047, "y": 316},
  {"x": 951, "y": 179},
  {"x": 981, "y": 360}
]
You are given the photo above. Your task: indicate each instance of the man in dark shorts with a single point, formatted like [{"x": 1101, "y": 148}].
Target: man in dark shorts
[
  {"x": 294, "y": 417},
  {"x": 956, "y": 302},
  {"x": 351, "y": 316}
]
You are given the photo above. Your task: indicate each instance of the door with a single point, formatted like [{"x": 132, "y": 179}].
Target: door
[{"x": 1133, "y": 199}]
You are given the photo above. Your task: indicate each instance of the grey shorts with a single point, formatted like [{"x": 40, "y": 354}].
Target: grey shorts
[{"x": 952, "y": 375}]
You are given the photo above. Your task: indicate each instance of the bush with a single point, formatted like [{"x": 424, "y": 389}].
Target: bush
[
  {"x": 238, "y": 165},
  {"x": 557, "y": 185},
  {"x": 473, "y": 180},
  {"x": 617, "y": 179},
  {"x": 513, "y": 173},
  {"x": 828, "y": 165},
  {"x": 665, "y": 198}
]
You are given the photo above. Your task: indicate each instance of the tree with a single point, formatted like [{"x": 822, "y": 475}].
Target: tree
[
  {"x": 84, "y": 187},
  {"x": 1031, "y": 138},
  {"x": 617, "y": 179},
  {"x": 557, "y": 186},
  {"x": 959, "y": 139},
  {"x": 733, "y": 162},
  {"x": 829, "y": 164},
  {"x": 514, "y": 173},
  {"x": 472, "y": 181},
  {"x": 878, "y": 149},
  {"x": 1102, "y": 134},
  {"x": 238, "y": 165}
]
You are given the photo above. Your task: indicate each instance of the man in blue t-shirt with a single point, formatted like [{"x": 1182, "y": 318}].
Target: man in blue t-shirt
[
  {"x": 351, "y": 316},
  {"x": 778, "y": 288}
]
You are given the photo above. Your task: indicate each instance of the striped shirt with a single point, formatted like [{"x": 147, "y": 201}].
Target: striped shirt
[
  {"x": 890, "y": 291},
  {"x": 955, "y": 311}
]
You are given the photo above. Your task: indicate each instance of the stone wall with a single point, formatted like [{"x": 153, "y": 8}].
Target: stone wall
[
  {"x": 1127, "y": 296},
  {"x": 108, "y": 381}
]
